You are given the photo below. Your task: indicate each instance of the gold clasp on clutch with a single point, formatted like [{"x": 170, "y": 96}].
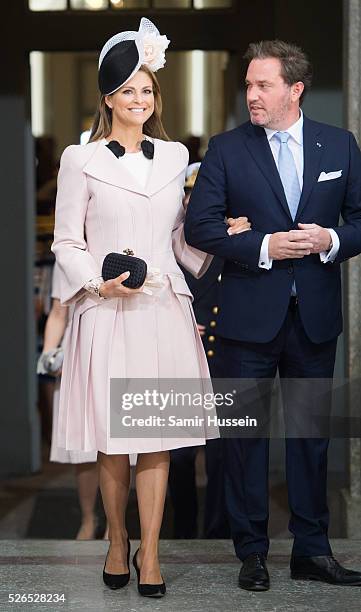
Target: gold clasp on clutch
[{"x": 128, "y": 252}]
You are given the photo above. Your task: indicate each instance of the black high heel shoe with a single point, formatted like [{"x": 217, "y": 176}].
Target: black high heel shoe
[
  {"x": 148, "y": 590},
  {"x": 117, "y": 581}
]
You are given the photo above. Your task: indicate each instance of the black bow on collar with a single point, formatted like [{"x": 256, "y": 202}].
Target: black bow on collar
[{"x": 147, "y": 147}]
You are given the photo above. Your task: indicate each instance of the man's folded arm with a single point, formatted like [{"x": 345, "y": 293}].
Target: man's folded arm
[{"x": 205, "y": 227}]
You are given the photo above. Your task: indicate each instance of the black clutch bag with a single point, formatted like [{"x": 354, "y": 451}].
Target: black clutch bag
[{"x": 115, "y": 264}]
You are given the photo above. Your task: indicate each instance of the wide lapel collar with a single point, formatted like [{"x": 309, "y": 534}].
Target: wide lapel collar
[
  {"x": 258, "y": 145},
  {"x": 313, "y": 147},
  {"x": 106, "y": 167},
  {"x": 168, "y": 162}
]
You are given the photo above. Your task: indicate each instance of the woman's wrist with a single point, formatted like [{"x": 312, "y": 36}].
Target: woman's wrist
[
  {"x": 93, "y": 286},
  {"x": 101, "y": 291}
]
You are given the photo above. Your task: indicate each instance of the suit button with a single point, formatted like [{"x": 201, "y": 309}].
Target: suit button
[
  {"x": 219, "y": 278},
  {"x": 215, "y": 309},
  {"x": 290, "y": 270},
  {"x": 211, "y": 338},
  {"x": 213, "y": 324},
  {"x": 210, "y": 353}
]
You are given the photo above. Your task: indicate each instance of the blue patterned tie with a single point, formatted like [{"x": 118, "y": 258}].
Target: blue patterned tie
[{"x": 288, "y": 173}]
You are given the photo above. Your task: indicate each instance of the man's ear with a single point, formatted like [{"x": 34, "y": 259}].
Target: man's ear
[{"x": 297, "y": 90}]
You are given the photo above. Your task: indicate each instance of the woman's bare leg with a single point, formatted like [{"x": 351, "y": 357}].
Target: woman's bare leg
[
  {"x": 151, "y": 483},
  {"x": 87, "y": 479},
  {"x": 114, "y": 479}
]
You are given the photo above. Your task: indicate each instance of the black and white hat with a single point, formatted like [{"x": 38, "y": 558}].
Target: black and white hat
[{"x": 123, "y": 55}]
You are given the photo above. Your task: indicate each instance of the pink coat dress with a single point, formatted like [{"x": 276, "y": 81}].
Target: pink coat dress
[{"x": 100, "y": 208}]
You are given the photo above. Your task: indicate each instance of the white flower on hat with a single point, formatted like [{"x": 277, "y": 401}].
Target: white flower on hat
[
  {"x": 154, "y": 51},
  {"x": 154, "y": 45}
]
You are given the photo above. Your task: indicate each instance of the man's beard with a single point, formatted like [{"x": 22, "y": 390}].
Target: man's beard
[{"x": 272, "y": 120}]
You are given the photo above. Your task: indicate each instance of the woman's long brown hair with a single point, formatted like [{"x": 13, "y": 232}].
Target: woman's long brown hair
[{"x": 153, "y": 127}]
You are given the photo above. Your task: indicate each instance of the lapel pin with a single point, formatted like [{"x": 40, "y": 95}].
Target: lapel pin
[{"x": 319, "y": 144}]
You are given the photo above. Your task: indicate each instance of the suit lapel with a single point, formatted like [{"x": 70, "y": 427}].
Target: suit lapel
[
  {"x": 313, "y": 148},
  {"x": 258, "y": 146},
  {"x": 167, "y": 164}
]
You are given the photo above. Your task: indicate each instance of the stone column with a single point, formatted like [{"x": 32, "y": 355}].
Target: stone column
[
  {"x": 19, "y": 419},
  {"x": 351, "y": 497}
]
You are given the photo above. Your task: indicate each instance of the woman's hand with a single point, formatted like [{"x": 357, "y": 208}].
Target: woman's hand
[
  {"x": 238, "y": 225},
  {"x": 114, "y": 288}
]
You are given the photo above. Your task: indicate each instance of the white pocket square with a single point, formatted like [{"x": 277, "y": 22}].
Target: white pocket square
[{"x": 329, "y": 176}]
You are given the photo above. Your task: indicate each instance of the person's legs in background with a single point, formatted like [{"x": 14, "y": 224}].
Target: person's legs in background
[
  {"x": 87, "y": 483},
  {"x": 183, "y": 492}
]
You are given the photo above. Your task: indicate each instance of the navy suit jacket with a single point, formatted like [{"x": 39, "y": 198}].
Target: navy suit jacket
[{"x": 238, "y": 177}]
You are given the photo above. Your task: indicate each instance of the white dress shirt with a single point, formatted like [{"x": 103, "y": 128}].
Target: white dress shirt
[{"x": 295, "y": 144}]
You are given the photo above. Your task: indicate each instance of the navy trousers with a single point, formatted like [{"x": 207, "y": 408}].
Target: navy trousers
[{"x": 246, "y": 460}]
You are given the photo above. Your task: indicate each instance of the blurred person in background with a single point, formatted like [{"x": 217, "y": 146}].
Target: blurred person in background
[
  {"x": 193, "y": 144},
  {"x": 50, "y": 363}
]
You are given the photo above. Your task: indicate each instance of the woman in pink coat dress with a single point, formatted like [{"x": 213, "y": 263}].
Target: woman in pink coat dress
[{"x": 111, "y": 198}]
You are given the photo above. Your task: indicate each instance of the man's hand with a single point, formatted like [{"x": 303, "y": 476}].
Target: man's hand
[
  {"x": 294, "y": 244},
  {"x": 319, "y": 236},
  {"x": 238, "y": 225}
]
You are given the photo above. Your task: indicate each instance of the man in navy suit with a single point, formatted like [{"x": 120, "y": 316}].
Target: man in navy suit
[{"x": 280, "y": 298}]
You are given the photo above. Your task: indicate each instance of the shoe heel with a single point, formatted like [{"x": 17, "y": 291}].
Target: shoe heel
[{"x": 148, "y": 590}]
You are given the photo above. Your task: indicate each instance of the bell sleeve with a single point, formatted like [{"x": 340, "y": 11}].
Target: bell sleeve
[{"x": 70, "y": 248}]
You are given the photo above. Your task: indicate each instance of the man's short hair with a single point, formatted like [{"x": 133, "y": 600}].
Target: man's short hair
[{"x": 295, "y": 65}]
